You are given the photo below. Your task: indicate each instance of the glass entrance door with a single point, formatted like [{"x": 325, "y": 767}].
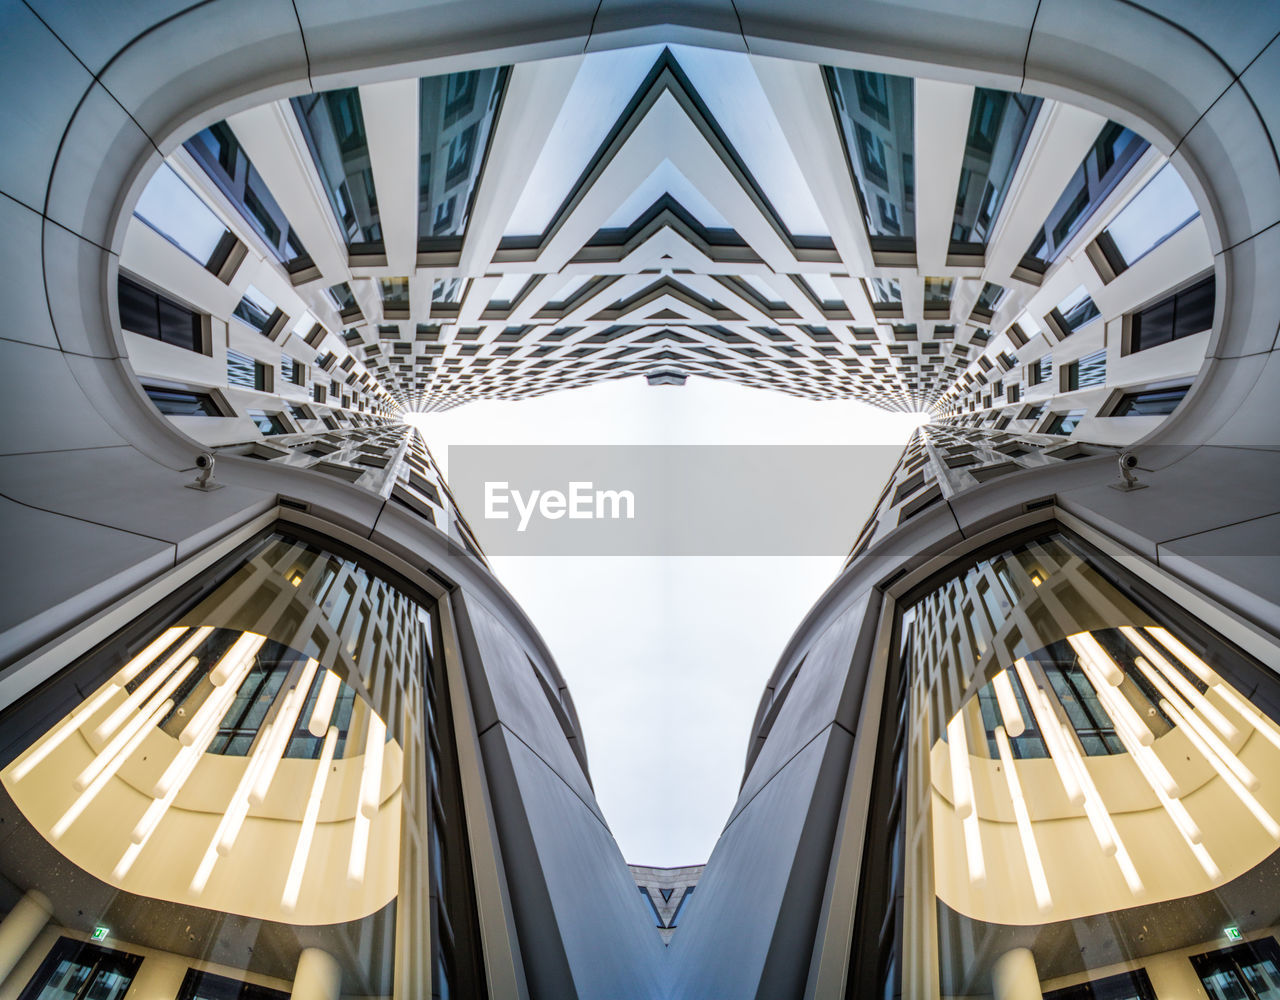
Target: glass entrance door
[
  {"x": 1248, "y": 971},
  {"x": 75, "y": 970}
]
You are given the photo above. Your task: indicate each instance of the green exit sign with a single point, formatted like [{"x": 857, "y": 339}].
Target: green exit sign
[
  {"x": 100, "y": 933},
  {"x": 1233, "y": 934}
]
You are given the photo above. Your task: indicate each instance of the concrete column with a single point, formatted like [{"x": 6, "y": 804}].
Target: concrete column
[
  {"x": 1014, "y": 976},
  {"x": 19, "y": 930},
  {"x": 318, "y": 976}
]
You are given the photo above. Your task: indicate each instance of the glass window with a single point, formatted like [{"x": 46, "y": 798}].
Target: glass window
[
  {"x": 1155, "y": 213},
  {"x": 1075, "y": 311},
  {"x": 395, "y": 293},
  {"x": 937, "y": 293},
  {"x": 823, "y": 290},
  {"x": 180, "y": 215},
  {"x": 1108, "y": 160},
  {"x": 989, "y": 298},
  {"x": 1087, "y": 371},
  {"x": 999, "y": 126},
  {"x": 256, "y": 310},
  {"x": 245, "y": 372},
  {"x": 1150, "y": 402},
  {"x": 343, "y": 299},
  {"x": 333, "y": 124},
  {"x": 675, "y": 917},
  {"x": 876, "y": 116},
  {"x": 207, "y": 986},
  {"x": 1152, "y": 805},
  {"x": 182, "y": 402},
  {"x": 77, "y": 970},
  {"x": 250, "y": 768},
  {"x": 302, "y": 325},
  {"x": 1249, "y": 971},
  {"x": 653, "y": 907},
  {"x": 1064, "y": 423},
  {"x": 294, "y": 372},
  {"x": 269, "y": 423},
  {"x": 152, "y": 315},
  {"x": 218, "y": 151},
  {"x": 1182, "y": 314},
  {"x": 447, "y": 290},
  {"x": 886, "y": 291},
  {"x": 1039, "y": 370}
]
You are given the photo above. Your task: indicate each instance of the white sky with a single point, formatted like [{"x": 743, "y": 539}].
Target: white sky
[{"x": 666, "y": 657}]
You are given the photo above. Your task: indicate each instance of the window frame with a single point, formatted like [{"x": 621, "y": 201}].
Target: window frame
[
  {"x": 214, "y": 395},
  {"x": 1070, "y": 372},
  {"x": 202, "y": 328},
  {"x": 1129, "y": 332},
  {"x": 1121, "y": 395}
]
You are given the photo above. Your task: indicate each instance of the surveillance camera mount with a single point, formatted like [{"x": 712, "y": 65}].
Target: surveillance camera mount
[
  {"x": 1128, "y": 481},
  {"x": 204, "y": 478}
]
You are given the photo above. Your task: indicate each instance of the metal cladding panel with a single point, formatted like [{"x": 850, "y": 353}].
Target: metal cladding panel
[
  {"x": 604, "y": 926},
  {"x": 105, "y": 562},
  {"x": 521, "y": 702},
  {"x": 1237, "y": 562},
  {"x": 72, "y": 484},
  {"x": 1184, "y": 498},
  {"x": 814, "y": 699},
  {"x": 728, "y": 926},
  {"x": 20, "y": 271}
]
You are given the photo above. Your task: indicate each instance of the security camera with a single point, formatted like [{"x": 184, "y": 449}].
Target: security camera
[
  {"x": 204, "y": 479},
  {"x": 1128, "y": 461}
]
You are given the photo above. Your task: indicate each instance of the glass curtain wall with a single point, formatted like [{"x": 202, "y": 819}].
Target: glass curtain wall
[
  {"x": 1114, "y": 151},
  {"x": 219, "y": 152},
  {"x": 1079, "y": 787},
  {"x": 456, "y": 115},
  {"x": 333, "y": 125},
  {"x": 999, "y": 125},
  {"x": 875, "y": 113},
  {"x": 257, "y": 778}
]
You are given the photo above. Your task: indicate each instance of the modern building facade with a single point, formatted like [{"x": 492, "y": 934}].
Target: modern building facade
[{"x": 271, "y": 727}]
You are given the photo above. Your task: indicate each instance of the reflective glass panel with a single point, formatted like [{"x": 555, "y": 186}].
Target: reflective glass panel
[
  {"x": 1064, "y": 423},
  {"x": 1076, "y": 310},
  {"x": 219, "y": 152},
  {"x": 182, "y": 402},
  {"x": 268, "y": 423},
  {"x": 1087, "y": 371},
  {"x": 1114, "y": 151},
  {"x": 177, "y": 213},
  {"x": 456, "y": 114},
  {"x": 245, "y": 372},
  {"x": 999, "y": 125},
  {"x": 255, "y": 310},
  {"x": 1154, "y": 214},
  {"x": 1150, "y": 402},
  {"x": 333, "y": 124},
  {"x": 1139, "y": 823},
  {"x": 153, "y": 315},
  {"x": 1182, "y": 314},
  {"x": 876, "y": 115},
  {"x": 252, "y": 772}
]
